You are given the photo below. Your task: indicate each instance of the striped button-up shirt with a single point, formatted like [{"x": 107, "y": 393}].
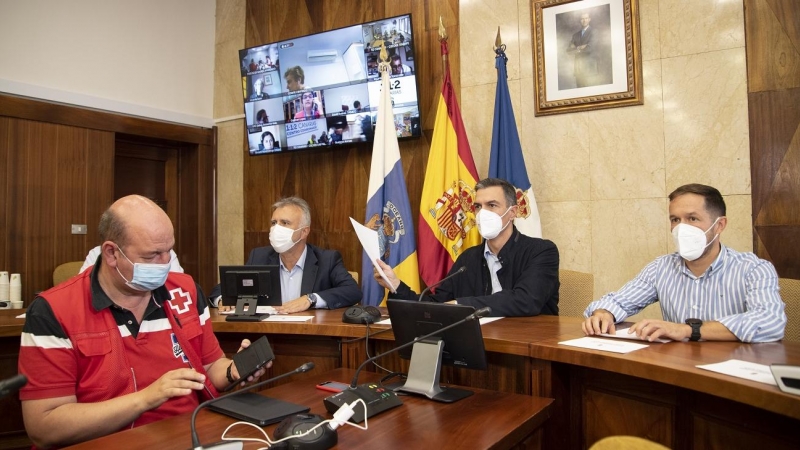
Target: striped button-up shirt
[{"x": 739, "y": 290}]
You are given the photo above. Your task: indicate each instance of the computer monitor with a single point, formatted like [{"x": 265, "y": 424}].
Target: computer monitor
[
  {"x": 261, "y": 284},
  {"x": 460, "y": 346}
]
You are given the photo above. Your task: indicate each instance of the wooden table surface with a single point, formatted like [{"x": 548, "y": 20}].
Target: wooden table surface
[{"x": 486, "y": 419}]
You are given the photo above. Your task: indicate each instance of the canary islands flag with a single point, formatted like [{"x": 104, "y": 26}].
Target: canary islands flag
[
  {"x": 388, "y": 208},
  {"x": 446, "y": 219},
  {"x": 506, "y": 159}
]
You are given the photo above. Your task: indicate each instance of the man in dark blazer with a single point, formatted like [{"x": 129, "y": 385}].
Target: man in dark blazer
[
  {"x": 311, "y": 277},
  {"x": 582, "y": 48}
]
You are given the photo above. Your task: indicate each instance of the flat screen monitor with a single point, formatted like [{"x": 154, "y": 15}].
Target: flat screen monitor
[
  {"x": 460, "y": 346},
  {"x": 322, "y": 90},
  {"x": 260, "y": 282}
]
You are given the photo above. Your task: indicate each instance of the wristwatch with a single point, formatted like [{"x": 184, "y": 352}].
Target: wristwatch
[
  {"x": 695, "y": 324},
  {"x": 312, "y": 299}
]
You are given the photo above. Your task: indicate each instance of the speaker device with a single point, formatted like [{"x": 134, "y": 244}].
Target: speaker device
[{"x": 361, "y": 314}]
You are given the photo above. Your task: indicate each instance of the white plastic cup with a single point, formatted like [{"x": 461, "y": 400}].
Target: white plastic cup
[
  {"x": 4, "y": 286},
  {"x": 15, "y": 288},
  {"x": 16, "y": 304}
]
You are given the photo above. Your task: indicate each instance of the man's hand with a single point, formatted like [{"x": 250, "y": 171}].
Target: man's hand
[
  {"x": 600, "y": 322},
  {"x": 235, "y": 372},
  {"x": 296, "y": 305},
  {"x": 174, "y": 383},
  {"x": 387, "y": 270},
  {"x": 650, "y": 330}
]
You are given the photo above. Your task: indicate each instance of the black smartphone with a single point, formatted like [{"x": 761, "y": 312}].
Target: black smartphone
[
  {"x": 249, "y": 360},
  {"x": 332, "y": 386}
]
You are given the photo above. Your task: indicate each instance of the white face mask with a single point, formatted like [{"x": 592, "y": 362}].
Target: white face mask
[
  {"x": 690, "y": 242},
  {"x": 146, "y": 276},
  {"x": 490, "y": 224},
  {"x": 280, "y": 238}
]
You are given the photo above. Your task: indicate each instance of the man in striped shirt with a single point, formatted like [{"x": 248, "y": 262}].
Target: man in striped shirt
[{"x": 706, "y": 290}]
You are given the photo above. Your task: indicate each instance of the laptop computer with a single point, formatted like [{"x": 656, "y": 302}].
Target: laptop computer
[
  {"x": 259, "y": 283},
  {"x": 256, "y": 408}
]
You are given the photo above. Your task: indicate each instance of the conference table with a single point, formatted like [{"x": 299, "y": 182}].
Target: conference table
[
  {"x": 486, "y": 419},
  {"x": 656, "y": 393}
]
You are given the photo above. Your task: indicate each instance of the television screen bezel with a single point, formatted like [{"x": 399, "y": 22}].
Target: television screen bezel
[{"x": 278, "y": 128}]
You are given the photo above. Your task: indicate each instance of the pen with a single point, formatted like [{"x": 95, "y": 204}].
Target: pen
[{"x": 188, "y": 361}]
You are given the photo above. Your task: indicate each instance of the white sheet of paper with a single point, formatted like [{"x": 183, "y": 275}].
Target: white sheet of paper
[
  {"x": 259, "y": 310},
  {"x": 369, "y": 240},
  {"x": 287, "y": 318},
  {"x": 742, "y": 369},
  {"x": 604, "y": 345},
  {"x": 483, "y": 320},
  {"x": 623, "y": 334},
  {"x": 21, "y": 316}
]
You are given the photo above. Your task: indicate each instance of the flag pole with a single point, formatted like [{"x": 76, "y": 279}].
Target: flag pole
[{"x": 443, "y": 41}]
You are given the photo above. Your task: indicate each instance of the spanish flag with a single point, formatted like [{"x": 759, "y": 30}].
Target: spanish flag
[{"x": 446, "y": 215}]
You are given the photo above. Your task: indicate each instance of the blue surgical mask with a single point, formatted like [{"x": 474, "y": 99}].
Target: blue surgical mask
[{"x": 146, "y": 276}]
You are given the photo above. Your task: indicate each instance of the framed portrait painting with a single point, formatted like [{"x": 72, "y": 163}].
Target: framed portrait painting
[{"x": 586, "y": 55}]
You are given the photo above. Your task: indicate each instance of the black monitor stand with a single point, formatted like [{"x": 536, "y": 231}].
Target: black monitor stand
[
  {"x": 425, "y": 371},
  {"x": 246, "y": 307}
]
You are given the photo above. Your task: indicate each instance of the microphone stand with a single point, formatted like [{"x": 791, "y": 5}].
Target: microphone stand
[
  {"x": 196, "y": 440},
  {"x": 461, "y": 270},
  {"x": 379, "y": 399},
  {"x": 13, "y": 384}
]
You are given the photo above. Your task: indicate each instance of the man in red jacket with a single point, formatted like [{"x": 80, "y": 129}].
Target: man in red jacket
[{"x": 122, "y": 345}]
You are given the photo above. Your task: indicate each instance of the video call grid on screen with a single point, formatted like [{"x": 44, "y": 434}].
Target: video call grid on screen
[{"x": 340, "y": 69}]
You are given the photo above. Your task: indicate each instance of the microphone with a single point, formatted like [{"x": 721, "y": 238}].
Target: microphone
[
  {"x": 378, "y": 400},
  {"x": 196, "y": 440},
  {"x": 13, "y": 384},
  {"x": 461, "y": 270}
]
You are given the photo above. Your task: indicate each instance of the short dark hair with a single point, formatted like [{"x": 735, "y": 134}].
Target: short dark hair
[
  {"x": 714, "y": 203},
  {"x": 297, "y": 73},
  {"x": 509, "y": 191},
  {"x": 265, "y": 134},
  {"x": 112, "y": 228}
]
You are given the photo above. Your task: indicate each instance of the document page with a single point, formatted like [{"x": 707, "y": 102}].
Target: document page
[
  {"x": 604, "y": 345},
  {"x": 622, "y": 333},
  {"x": 742, "y": 369},
  {"x": 369, "y": 240}
]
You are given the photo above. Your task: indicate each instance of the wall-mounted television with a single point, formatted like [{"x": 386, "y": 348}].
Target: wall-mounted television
[{"x": 322, "y": 89}]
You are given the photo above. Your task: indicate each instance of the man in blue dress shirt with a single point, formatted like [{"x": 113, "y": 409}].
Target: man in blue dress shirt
[{"x": 706, "y": 290}]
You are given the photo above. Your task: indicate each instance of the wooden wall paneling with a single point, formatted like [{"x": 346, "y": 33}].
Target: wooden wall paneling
[
  {"x": 5, "y": 177},
  {"x": 205, "y": 203},
  {"x": 71, "y": 161},
  {"x": 773, "y": 72},
  {"x": 334, "y": 182},
  {"x": 26, "y": 108},
  {"x": 98, "y": 183}
]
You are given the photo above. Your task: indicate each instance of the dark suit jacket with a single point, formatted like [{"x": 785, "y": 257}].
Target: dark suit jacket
[{"x": 323, "y": 274}]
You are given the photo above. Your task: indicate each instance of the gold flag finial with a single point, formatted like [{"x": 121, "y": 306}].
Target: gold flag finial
[
  {"x": 442, "y": 31},
  {"x": 497, "y": 41},
  {"x": 384, "y": 53}
]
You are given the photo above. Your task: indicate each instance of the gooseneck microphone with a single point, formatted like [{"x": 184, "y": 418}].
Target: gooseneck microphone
[
  {"x": 460, "y": 270},
  {"x": 196, "y": 440},
  {"x": 13, "y": 384},
  {"x": 376, "y": 399}
]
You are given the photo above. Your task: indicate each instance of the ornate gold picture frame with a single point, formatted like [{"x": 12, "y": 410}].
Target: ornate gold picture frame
[{"x": 586, "y": 55}]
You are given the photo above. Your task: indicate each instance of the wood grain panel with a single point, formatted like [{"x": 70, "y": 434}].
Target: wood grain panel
[
  {"x": 57, "y": 173},
  {"x": 613, "y": 415},
  {"x": 334, "y": 182},
  {"x": 777, "y": 64},
  {"x": 773, "y": 75},
  {"x": 25, "y": 108}
]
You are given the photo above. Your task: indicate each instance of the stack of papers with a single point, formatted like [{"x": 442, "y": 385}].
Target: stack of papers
[
  {"x": 604, "y": 345},
  {"x": 742, "y": 369},
  {"x": 623, "y": 334}
]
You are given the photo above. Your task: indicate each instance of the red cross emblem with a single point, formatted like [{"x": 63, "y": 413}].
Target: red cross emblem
[{"x": 179, "y": 300}]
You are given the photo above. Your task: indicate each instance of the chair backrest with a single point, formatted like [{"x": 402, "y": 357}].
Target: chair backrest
[
  {"x": 626, "y": 443},
  {"x": 66, "y": 271},
  {"x": 575, "y": 293},
  {"x": 354, "y": 274},
  {"x": 790, "y": 293}
]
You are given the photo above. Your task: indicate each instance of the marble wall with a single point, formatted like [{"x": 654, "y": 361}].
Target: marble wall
[
  {"x": 229, "y": 118},
  {"x": 601, "y": 178}
]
